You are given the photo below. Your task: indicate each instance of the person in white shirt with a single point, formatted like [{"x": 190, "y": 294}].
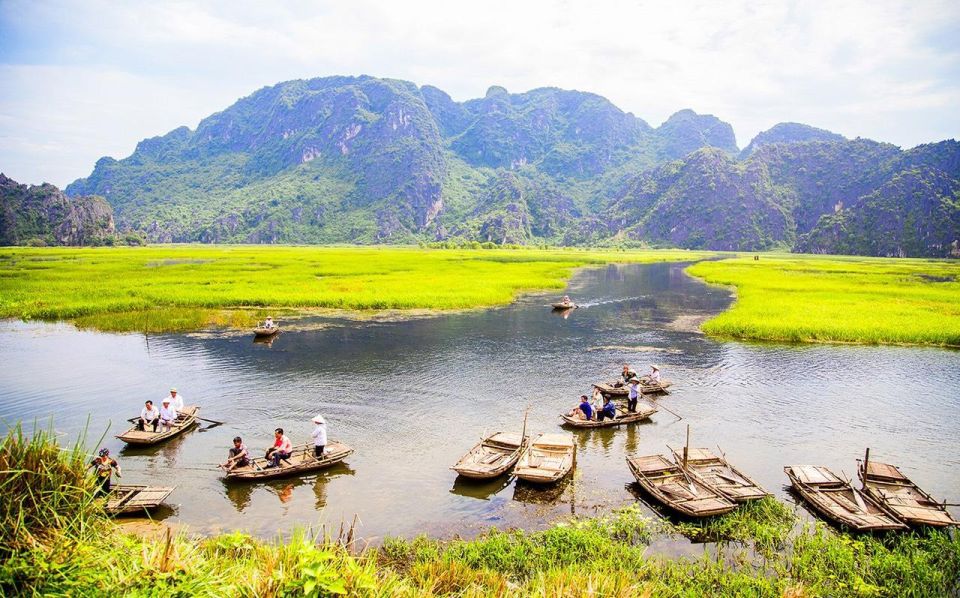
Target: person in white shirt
[
  {"x": 148, "y": 415},
  {"x": 319, "y": 436},
  {"x": 268, "y": 323},
  {"x": 168, "y": 415},
  {"x": 282, "y": 448},
  {"x": 654, "y": 374},
  {"x": 176, "y": 400}
]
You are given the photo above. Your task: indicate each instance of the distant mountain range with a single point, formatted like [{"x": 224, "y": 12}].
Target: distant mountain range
[{"x": 368, "y": 160}]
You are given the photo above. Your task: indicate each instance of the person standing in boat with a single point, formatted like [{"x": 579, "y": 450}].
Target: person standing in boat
[
  {"x": 148, "y": 415},
  {"x": 176, "y": 400},
  {"x": 282, "y": 448},
  {"x": 238, "y": 455},
  {"x": 634, "y": 395},
  {"x": 608, "y": 411},
  {"x": 103, "y": 467},
  {"x": 319, "y": 436},
  {"x": 168, "y": 415}
]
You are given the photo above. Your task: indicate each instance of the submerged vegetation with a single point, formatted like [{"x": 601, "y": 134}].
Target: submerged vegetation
[
  {"x": 838, "y": 299},
  {"x": 190, "y": 287},
  {"x": 56, "y": 542}
]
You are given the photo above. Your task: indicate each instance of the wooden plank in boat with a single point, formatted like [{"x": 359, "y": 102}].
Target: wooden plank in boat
[
  {"x": 884, "y": 470},
  {"x": 651, "y": 463},
  {"x": 563, "y": 441},
  {"x": 506, "y": 439},
  {"x": 811, "y": 474}
]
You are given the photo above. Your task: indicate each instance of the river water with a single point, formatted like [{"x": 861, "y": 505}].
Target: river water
[{"x": 413, "y": 395}]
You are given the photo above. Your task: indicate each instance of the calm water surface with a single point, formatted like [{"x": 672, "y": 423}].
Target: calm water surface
[{"x": 412, "y": 396}]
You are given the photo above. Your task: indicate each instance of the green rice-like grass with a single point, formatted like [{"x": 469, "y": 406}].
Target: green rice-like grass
[
  {"x": 801, "y": 298},
  {"x": 166, "y": 288}
]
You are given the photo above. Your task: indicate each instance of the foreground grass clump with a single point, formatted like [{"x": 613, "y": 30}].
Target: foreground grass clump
[
  {"x": 188, "y": 287},
  {"x": 66, "y": 546},
  {"x": 838, "y": 299}
]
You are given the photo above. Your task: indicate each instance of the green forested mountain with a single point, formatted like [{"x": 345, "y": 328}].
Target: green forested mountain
[
  {"x": 368, "y": 160},
  {"x": 43, "y": 215}
]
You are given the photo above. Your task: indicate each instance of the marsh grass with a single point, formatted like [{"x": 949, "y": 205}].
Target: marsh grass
[
  {"x": 168, "y": 288},
  {"x": 803, "y": 298}
]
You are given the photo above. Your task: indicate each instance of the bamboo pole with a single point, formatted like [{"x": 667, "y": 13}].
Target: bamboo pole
[
  {"x": 866, "y": 461},
  {"x": 686, "y": 447}
]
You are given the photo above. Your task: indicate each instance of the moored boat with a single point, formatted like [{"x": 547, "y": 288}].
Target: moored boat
[
  {"x": 838, "y": 501},
  {"x": 887, "y": 485},
  {"x": 492, "y": 456},
  {"x": 672, "y": 487},
  {"x": 614, "y": 391},
  {"x": 716, "y": 472},
  {"x": 301, "y": 461},
  {"x": 186, "y": 419},
  {"x": 623, "y": 417},
  {"x": 128, "y": 498},
  {"x": 547, "y": 459}
]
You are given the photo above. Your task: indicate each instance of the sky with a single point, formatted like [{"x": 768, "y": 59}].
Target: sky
[{"x": 82, "y": 80}]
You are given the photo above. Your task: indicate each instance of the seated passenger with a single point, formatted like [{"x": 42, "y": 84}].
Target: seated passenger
[
  {"x": 282, "y": 448},
  {"x": 584, "y": 410},
  {"x": 609, "y": 410},
  {"x": 625, "y": 375},
  {"x": 238, "y": 455},
  {"x": 168, "y": 415},
  {"x": 268, "y": 323},
  {"x": 149, "y": 415}
]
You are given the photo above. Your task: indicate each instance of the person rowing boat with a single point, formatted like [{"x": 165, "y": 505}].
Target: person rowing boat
[{"x": 239, "y": 456}]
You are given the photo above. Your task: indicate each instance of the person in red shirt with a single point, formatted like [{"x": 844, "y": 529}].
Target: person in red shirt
[{"x": 281, "y": 449}]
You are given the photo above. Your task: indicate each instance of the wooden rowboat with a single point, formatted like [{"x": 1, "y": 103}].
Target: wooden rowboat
[
  {"x": 838, "y": 501},
  {"x": 887, "y": 485},
  {"x": 669, "y": 485},
  {"x": 186, "y": 419},
  {"x": 301, "y": 461},
  {"x": 263, "y": 332},
  {"x": 623, "y": 417},
  {"x": 562, "y": 305},
  {"x": 614, "y": 391},
  {"x": 547, "y": 459},
  {"x": 493, "y": 456},
  {"x": 716, "y": 472},
  {"x": 134, "y": 499}
]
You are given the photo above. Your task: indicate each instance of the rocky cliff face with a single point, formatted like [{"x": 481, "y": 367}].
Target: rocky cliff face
[
  {"x": 367, "y": 160},
  {"x": 42, "y": 214}
]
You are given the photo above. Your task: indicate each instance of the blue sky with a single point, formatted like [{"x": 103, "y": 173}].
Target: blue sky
[{"x": 82, "y": 80}]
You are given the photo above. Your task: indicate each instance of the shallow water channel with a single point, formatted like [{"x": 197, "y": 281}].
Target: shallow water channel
[{"x": 412, "y": 395}]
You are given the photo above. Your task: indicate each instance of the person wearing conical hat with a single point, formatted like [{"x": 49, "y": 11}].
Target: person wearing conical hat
[
  {"x": 654, "y": 376},
  {"x": 103, "y": 467},
  {"x": 319, "y": 436}
]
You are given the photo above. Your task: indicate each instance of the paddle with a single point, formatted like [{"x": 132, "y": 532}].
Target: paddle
[
  {"x": 214, "y": 422},
  {"x": 667, "y": 409}
]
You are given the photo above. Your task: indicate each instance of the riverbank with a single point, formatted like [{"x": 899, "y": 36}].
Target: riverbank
[
  {"x": 843, "y": 299},
  {"x": 184, "y": 288},
  {"x": 55, "y": 541}
]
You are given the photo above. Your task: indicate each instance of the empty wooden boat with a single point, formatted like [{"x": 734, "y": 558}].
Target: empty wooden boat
[
  {"x": 125, "y": 499},
  {"x": 186, "y": 420},
  {"x": 716, "y": 472},
  {"x": 263, "y": 331},
  {"x": 547, "y": 459},
  {"x": 615, "y": 392},
  {"x": 838, "y": 501},
  {"x": 887, "y": 485},
  {"x": 491, "y": 457},
  {"x": 623, "y": 417},
  {"x": 301, "y": 461},
  {"x": 666, "y": 482}
]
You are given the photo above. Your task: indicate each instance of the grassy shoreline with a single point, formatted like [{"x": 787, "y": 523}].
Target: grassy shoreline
[{"x": 55, "y": 541}]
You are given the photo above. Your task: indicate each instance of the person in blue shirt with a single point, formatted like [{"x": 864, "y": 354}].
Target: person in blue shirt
[
  {"x": 609, "y": 410},
  {"x": 586, "y": 408}
]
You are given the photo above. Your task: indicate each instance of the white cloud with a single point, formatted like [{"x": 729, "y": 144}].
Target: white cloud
[{"x": 89, "y": 79}]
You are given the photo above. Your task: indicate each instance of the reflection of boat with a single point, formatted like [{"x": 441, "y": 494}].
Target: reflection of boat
[
  {"x": 264, "y": 332},
  {"x": 614, "y": 391},
  {"x": 538, "y": 494},
  {"x": 126, "y": 499},
  {"x": 563, "y": 306},
  {"x": 838, "y": 501},
  {"x": 887, "y": 485},
  {"x": 264, "y": 340},
  {"x": 186, "y": 419},
  {"x": 623, "y": 417},
  {"x": 492, "y": 457},
  {"x": 666, "y": 482},
  {"x": 716, "y": 472},
  {"x": 547, "y": 459},
  {"x": 481, "y": 489},
  {"x": 301, "y": 461}
]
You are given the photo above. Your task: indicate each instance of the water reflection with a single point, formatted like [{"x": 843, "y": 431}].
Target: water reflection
[{"x": 481, "y": 489}]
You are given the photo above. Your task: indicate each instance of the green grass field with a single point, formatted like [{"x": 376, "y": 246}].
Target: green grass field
[
  {"x": 165, "y": 288},
  {"x": 838, "y": 299}
]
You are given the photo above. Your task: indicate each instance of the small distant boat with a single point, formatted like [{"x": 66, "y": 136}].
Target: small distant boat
[
  {"x": 547, "y": 459},
  {"x": 887, "y": 485},
  {"x": 613, "y": 391},
  {"x": 263, "y": 331},
  {"x": 125, "y": 499},
  {"x": 493, "y": 456},
  {"x": 561, "y": 305},
  {"x": 838, "y": 501},
  {"x": 623, "y": 417},
  {"x": 186, "y": 419},
  {"x": 716, "y": 472},
  {"x": 301, "y": 461},
  {"x": 672, "y": 487}
]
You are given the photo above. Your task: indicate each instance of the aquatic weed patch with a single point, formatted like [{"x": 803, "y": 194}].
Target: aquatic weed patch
[{"x": 801, "y": 298}]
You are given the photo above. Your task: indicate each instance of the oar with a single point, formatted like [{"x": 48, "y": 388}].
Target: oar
[
  {"x": 667, "y": 409},
  {"x": 214, "y": 422}
]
